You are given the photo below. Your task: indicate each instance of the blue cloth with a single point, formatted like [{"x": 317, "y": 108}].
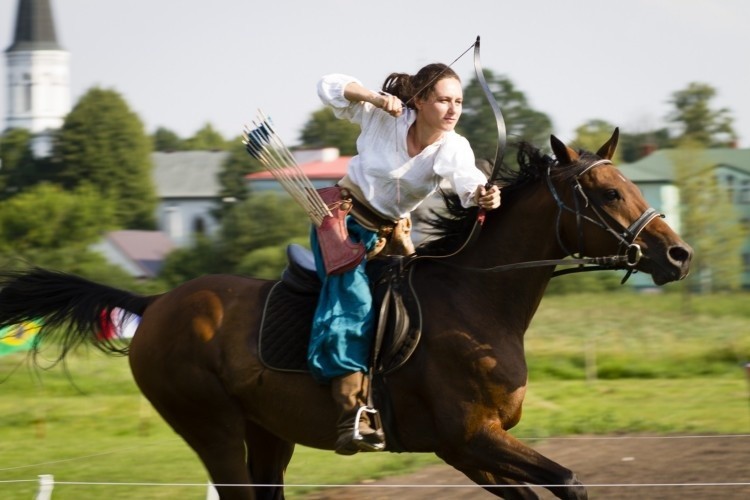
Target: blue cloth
[{"x": 343, "y": 322}]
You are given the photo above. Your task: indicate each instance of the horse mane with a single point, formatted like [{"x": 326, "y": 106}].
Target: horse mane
[{"x": 449, "y": 227}]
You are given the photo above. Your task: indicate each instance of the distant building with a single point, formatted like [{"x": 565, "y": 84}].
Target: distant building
[
  {"x": 188, "y": 188},
  {"x": 654, "y": 175},
  {"x": 38, "y": 75},
  {"x": 324, "y": 167},
  {"x": 140, "y": 253}
]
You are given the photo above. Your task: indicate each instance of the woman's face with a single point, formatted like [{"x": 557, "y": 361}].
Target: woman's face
[{"x": 442, "y": 108}]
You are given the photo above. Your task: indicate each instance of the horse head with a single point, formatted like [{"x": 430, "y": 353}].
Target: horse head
[{"x": 602, "y": 213}]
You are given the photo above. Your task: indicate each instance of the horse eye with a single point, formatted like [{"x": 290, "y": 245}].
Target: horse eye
[{"x": 611, "y": 195}]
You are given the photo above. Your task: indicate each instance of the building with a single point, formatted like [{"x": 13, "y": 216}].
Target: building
[
  {"x": 324, "y": 167},
  {"x": 38, "y": 75},
  {"x": 140, "y": 253},
  {"x": 187, "y": 185},
  {"x": 655, "y": 176}
]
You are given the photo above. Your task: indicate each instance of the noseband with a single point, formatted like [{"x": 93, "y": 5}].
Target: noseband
[{"x": 628, "y": 252}]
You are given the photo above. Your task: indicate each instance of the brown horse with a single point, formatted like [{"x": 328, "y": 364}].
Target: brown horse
[{"x": 195, "y": 355}]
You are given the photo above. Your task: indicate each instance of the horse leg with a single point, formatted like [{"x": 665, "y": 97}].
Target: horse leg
[
  {"x": 194, "y": 403},
  {"x": 502, "y": 456},
  {"x": 267, "y": 459},
  {"x": 515, "y": 491}
]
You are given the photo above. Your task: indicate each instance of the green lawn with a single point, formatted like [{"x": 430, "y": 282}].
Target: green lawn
[{"x": 650, "y": 367}]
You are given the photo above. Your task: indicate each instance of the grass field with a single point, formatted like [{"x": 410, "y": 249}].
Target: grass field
[{"x": 599, "y": 363}]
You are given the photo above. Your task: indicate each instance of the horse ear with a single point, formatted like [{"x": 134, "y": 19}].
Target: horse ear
[
  {"x": 607, "y": 151},
  {"x": 563, "y": 153}
]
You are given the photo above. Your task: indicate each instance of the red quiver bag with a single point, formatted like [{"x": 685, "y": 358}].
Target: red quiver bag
[{"x": 340, "y": 253}]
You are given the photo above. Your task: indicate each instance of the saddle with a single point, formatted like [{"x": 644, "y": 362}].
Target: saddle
[{"x": 288, "y": 312}]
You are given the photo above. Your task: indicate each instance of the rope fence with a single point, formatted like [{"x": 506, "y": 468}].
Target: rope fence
[{"x": 47, "y": 482}]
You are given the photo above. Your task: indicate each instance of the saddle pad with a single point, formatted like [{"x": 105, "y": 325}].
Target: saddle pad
[
  {"x": 287, "y": 319},
  {"x": 285, "y": 330}
]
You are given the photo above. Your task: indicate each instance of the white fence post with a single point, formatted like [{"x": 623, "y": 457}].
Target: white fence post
[
  {"x": 212, "y": 494},
  {"x": 46, "y": 484}
]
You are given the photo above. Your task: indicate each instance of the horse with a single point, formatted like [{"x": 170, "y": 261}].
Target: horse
[{"x": 195, "y": 354}]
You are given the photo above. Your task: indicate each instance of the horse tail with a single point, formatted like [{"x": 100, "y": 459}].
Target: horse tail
[{"x": 71, "y": 309}]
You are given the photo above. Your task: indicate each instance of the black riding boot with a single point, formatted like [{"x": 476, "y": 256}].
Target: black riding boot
[{"x": 346, "y": 391}]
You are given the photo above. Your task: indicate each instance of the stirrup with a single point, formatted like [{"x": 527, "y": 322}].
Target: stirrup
[{"x": 362, "y": 442}]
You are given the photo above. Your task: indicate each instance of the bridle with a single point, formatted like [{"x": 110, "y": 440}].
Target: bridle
[{"x": 628, "y": 253}]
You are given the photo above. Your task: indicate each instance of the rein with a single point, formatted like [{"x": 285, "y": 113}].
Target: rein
[{"x": 628, "y": 256}]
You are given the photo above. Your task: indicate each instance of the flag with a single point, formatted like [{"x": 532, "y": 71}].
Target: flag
[
  {"x": 117, "y": 325},
  {"x": 18, "y": 337}
]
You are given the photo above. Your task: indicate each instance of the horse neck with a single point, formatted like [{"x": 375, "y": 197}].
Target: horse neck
[{"x": 522, "y": 230}]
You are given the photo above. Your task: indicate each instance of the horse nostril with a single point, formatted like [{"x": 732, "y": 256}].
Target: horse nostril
[{"x": 680, "y": 254}]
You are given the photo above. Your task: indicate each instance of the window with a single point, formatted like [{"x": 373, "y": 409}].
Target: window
[{"x": 744, "y": 192}]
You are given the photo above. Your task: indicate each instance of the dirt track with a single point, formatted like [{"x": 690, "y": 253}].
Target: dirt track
[{"x": 615, "y": 462}]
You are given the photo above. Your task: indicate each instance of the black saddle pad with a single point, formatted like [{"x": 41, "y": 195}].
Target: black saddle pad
[
  {"x": 285, "y": 330},
  {"x": 288, "y": 314}
]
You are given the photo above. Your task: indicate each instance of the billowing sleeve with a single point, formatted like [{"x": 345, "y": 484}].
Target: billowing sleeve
[
  {"x": 331, "y": 92},
  {"x": 455, "y": 163}
]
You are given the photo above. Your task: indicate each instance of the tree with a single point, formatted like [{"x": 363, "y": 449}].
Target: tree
[
  {"x": 166, "y": 141},
  {"x": 522, "y": 122},
  {"x": 104, "y": 143},
  {"x": 232, "y": 176},
  {"x": 19, "y": 168},
  {"x": 709, "y": 222},
  {"x": 46, "y": 217},
  {"x": 697, "y": 122},
  {"x": 323, "y": 129},
  {"x": 634, "y": 146},
  {"x": 263, "y": 220},
  {"x": 206, "y": 139}
]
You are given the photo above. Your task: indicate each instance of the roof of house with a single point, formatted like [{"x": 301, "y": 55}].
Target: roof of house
[
  {"x": 188, "y": 174},
  {"x": 658, "y": 166},
  {"x": 334, "y": 169},
  {"x": 147, "y": 249},
  {"x": 35, "y": 27}
]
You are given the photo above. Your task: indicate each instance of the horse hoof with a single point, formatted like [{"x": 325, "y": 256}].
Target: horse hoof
[{"x": 576, "y": 490}]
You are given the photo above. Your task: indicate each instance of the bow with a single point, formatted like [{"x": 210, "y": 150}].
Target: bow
[{"x": 500, "y": 122}]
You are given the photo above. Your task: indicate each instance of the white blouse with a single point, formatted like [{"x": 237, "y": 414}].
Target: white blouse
[{"x": 394, "y": 183}]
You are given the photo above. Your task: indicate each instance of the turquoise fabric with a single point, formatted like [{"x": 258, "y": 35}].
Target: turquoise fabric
[{"x": 343, "y": 323}]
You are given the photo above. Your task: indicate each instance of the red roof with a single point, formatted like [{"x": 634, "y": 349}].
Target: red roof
[{"x": 315, "y": 170}]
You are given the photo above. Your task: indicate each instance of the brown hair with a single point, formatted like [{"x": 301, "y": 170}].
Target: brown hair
[{"x": 408, "y": 87}]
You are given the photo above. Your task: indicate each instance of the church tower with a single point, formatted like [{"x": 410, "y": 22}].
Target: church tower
[{"x": 38, "y": 75}]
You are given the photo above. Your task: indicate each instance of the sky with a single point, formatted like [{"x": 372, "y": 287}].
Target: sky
[{"x": 181, "y": 64}]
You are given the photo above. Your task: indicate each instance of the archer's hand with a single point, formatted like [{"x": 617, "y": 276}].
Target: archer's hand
[
  {"x": 390, "y": 104},
  {"x": 489, "y": 199}
]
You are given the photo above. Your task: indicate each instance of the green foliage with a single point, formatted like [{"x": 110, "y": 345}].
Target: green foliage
[
  {"x": 323, "y": 129},
  {"x": 19, "y": 168},
  {"x": 103, "y": 142},
  {"x": 523, "y": 123},
  {"x": 593, "y": 281},
  {"x": 206, "y": 139},
  {"x": 710, "y": 224},
  {"x": 634, "y": 146},
  {"x": 252, "y": 241},
  {"x": 232, "y": 176},
  {"x": 268, "y": 262},
  {"x": 697, "y": 121},
  {"x": 46, "y": 217},
  {"x": 166, "y": 141},
  {"x": 203, "y": 257},
  {"x": 264, "y": 220}
]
